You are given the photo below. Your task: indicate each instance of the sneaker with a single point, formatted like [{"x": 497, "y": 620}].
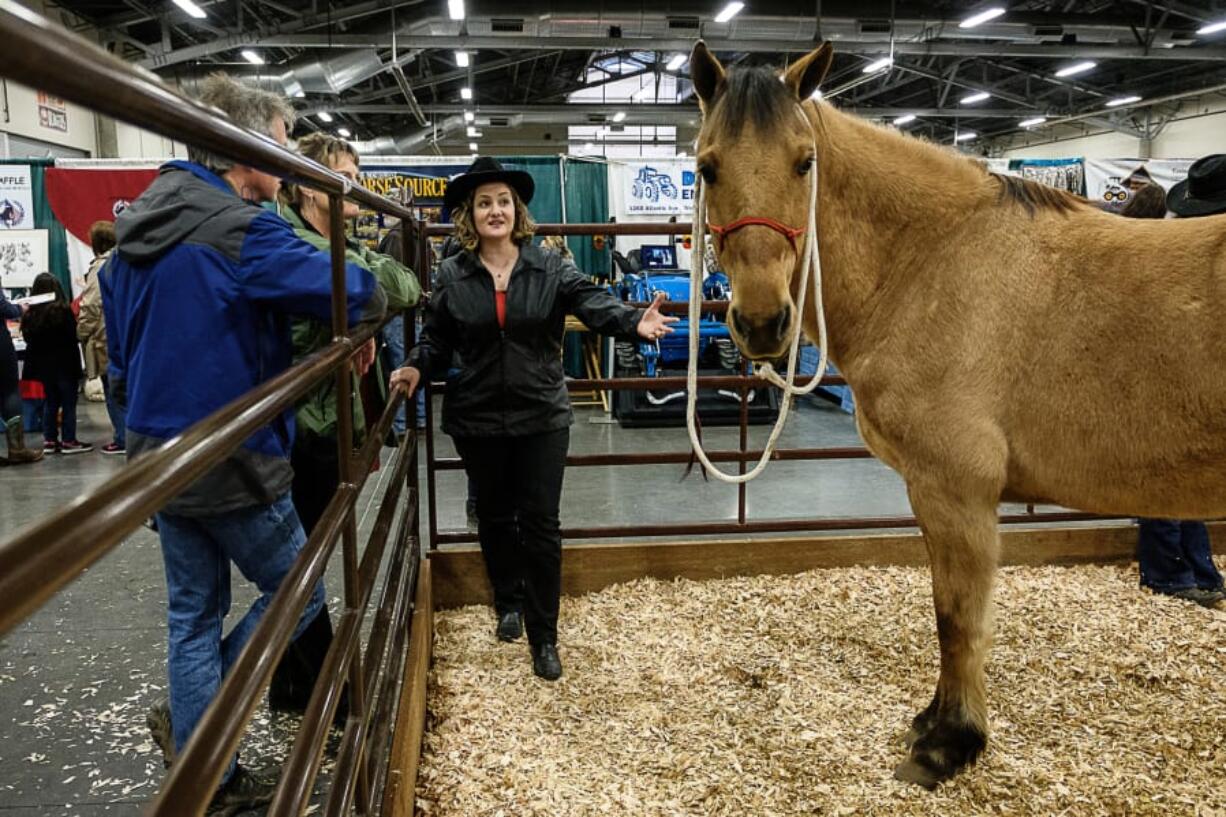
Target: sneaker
[
  {"x": 242, "y": 792},
  {"x": 158, "y": 721},
  {"x": 50, "y": 446},
  {"x": 1199, "y": 595},
  {"x": 74, "y": 447},
  {"x": 113, "y": 448}
]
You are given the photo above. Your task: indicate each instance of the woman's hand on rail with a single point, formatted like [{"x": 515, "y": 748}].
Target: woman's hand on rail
[
  {"x": 406, "y": 379},
  {"x": 365, "y": 357},
  {"x": 653, "y": 325}
]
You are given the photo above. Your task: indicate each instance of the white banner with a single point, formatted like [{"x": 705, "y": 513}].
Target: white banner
[
  {"x": 16, "y": 198},
  {"x": 23, "y": 255},
  {"x": 654, "y": 187},
  {"x": 1111, "y": 182}
]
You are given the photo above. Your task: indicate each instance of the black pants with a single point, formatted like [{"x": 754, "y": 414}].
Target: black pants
[{"x": 519, "y": 489}]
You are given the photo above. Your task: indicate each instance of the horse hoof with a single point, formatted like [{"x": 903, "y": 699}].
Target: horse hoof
[
  {"x": 909, "y": 771},
  {"x": 913, "y": 734},
  {"x": 941, "y": 753}
]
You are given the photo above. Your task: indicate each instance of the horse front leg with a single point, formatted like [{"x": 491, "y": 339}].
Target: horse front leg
[{"x": 963, "y": 546}]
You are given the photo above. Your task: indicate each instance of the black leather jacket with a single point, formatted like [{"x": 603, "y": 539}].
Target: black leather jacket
[{"x": 510, "y": 380}]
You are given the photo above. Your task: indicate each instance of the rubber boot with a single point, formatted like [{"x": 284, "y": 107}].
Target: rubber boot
[{"x": 18, "y": 454}]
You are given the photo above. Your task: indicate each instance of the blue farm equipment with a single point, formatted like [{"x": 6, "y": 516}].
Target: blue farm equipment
[{"x": 652, "y": 185}]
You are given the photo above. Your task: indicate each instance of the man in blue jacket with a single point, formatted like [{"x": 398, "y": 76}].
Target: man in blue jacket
[{"x": 197, "y": 300}]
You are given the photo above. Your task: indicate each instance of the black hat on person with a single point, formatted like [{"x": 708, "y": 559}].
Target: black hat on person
[
  {"x": 484, "y": 170},
  {"x": 1203, "y": 193}
]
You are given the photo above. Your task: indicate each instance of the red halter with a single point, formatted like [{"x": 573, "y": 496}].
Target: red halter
[{"x": 721, "y": 233}]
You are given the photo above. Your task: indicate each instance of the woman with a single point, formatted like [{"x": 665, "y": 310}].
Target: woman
[
  {"x": 501, "y": 303},
  {"x": 314, "y": 455},
  {"x": 91, "y": 330},
  {"x": 10, "y": 397},
  {"x": 53, "y": 358}
]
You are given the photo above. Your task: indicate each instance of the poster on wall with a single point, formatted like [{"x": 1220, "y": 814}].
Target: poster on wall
[
  {"x": 52, "y": 112},
  {"x": 23, "y": 255},
  {"x": 1111, "y": 182},
  {"x": 1064, "y": 174},
  {"x": 16, "y": 198},
  {"x": 420, "y": 179},
  {"x": 657, "y": 187}
]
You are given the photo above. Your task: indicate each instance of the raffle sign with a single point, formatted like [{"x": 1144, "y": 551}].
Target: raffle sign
[
  {"x": 23, "y": 255},
  {"x": 1111, "y": 182},
  {"x": 52, "y": 112},
  {"x": 655, "y": 187},
  {"x": 16, "y": 198}
]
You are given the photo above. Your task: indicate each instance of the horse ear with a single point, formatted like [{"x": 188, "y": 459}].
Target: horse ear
[
  {"x": 707, "y": 75},
  {"x": 807, "y": 73}
]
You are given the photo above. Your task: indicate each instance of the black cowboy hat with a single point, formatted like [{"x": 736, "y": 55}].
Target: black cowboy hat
[
  {"x": 1203, "y": 193},
  {"x": 484, "y": 170}
]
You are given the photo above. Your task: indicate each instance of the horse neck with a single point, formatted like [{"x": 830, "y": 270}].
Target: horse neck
[{"x": 884, "y": 202}]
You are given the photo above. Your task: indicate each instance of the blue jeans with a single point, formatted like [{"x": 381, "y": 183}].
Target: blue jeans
[
  {"x": 61, "y": 394},
  {"x": 1175, "y": 555},
  {"x": 116, "y": 413},
  {"x": 262, "y": 541}
]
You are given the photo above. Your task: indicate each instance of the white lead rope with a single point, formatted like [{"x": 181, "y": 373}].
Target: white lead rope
[{"x": 811, "y": 267}]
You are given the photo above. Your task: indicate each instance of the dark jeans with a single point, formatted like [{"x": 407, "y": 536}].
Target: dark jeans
[
  {"x": 115, "y": 412},
  {"x": 519, "y": 489},
  {"x": 10, "y": 403},
  {"x": 1175, "y": 555},
  {"x": 61, "y": 394}
]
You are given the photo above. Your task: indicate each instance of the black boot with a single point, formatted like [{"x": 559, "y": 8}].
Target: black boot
[
  {"x": 510, "y": 626},
  {"x": 545, "y": 662}
]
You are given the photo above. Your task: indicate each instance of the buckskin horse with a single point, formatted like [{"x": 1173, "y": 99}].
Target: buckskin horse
[{"x": 1005, "y": 341}]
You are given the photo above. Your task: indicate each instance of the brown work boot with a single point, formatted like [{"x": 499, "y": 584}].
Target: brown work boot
[
  {"x": 243, "y": 791},
  {"x": 158, "y": 721},
  {"x": 18, "y": 454}
]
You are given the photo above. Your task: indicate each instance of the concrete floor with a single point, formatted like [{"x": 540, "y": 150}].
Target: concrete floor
[{"x": 78, "y": 677}]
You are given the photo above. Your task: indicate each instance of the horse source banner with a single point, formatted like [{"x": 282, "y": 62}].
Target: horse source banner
[
  {"x": 16, "y": 198},
  {"x": 1112, "y": 182},
  {"x": 658, "y": 187},
  {"x": 23, "y": 254}
]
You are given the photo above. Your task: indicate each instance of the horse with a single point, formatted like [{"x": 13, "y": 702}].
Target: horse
[{"x": 1005, "y": 341}]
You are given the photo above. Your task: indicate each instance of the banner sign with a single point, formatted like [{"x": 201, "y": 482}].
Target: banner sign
[
  {"x": 426, "y": 182},
  {"x": 1111, "y": 182},
  {"x": 655, "y": 187},
  {"x": 23, "y": 255},
  {"x": 16, "y": 198},
  {"x": 52, "y": 112}
]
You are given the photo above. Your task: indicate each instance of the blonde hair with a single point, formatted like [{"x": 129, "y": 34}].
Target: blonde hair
[
  {"x": 323, "y": 148},
  {"x": 466, "y": 229},
  {"x": 557, "y": 243}
]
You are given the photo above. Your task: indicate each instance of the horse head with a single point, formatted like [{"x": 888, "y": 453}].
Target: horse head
[{"x": 756, "y": 154}]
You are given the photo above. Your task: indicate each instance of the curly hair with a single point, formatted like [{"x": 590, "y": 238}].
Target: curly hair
[
  {"x": 323, "y": 148},
  {"x": 466, "y": 229},
  {"x": 250, "y": 108}
]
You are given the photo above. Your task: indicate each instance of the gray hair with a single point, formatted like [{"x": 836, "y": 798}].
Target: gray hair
[{"x": 250, "y": 108}]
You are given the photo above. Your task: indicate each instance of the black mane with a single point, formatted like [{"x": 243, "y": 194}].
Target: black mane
[{"x": 751, "y": 95}]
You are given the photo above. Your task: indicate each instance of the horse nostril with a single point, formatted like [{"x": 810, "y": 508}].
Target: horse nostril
[
  {"x": 738, "y": 324},
  {"x": 782, "y": 321}
]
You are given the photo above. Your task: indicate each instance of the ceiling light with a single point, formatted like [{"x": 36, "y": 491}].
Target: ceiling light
[
  {"x": 878, "y": 65},
  {"x": 300, "y": 94},
  {"x": 619, "y": 116},
  {"x": 344, "y": 132},
  {"x": 731, "y": 10},
  {"x": 466, "y": 93},
  {"x": 1123, "y": 100},
  {"x": 965, "y": 135},
  {"x": 473, "y": 133},
  {"x": 191, "y": 8},
  {"x": 472, "y": 146},
  {"x": 904, "y": 119},
  {"x": 816, "y": 94},
  {"x": 979, "y": 96},
  {"x": 252, "y": 57},
  {"x": 982, "y": 17},
  {"x": 676, "y": 62},
  {"x": 1030, "y": 123},
  {"x": 469, "y": 116},
  {"x": 682, "y": 155},
  {"x": 461, "y": 59},
  {"x": 1212, "y": 28},
  {"x": 455, "y": 9},
  {"x": 1076, "y": 68},
  {"x": 324, "y": 116},
  {"x": 589, "y": 147}
]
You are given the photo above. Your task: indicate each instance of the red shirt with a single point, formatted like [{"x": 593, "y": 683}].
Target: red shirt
[{"x": 500, "y": 307}]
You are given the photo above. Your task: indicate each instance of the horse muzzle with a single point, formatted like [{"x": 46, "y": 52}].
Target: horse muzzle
[{"x": 761, "y": 337}]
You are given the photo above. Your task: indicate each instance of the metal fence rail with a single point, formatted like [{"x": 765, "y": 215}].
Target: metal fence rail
[{"x": 45, "y": 557}]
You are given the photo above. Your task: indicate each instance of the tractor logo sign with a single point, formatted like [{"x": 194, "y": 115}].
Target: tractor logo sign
[
  {"x": 653, "y": 185},
  {"x": 655, "y": 189}
]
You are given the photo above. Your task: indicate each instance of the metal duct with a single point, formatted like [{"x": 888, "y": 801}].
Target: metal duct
[
  {"x": 406, "y": 143},
  {"x": 333, "y": 75}
]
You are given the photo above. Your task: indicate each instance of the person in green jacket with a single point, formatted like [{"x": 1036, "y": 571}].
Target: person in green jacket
[{"x": 314, "y": 456}]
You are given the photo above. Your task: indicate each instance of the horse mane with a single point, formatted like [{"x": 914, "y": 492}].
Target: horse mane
[
  {"x": 1034, "y": 196},
  {"x": 751, "y": 94}
]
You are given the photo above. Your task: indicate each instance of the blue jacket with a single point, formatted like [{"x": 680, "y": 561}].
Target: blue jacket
[{"x": 197, "y": 299}]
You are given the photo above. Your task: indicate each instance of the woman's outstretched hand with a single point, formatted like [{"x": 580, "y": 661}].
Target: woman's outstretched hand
[
  {"x": 653, "y": 324},
  {"x": 406, "y": 379}
]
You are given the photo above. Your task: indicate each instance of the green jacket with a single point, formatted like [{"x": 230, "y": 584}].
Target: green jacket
[{"x": 316, "y": 412}]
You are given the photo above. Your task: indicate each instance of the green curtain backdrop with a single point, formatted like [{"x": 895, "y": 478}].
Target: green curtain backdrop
[
  {"x": 44, "y": 219},
  {"x": 587, "y": 201},
  {"x": 546, "y": 206}
]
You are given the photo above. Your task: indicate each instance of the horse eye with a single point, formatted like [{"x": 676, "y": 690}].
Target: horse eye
[
  {"x": 708, "y": 174},
  {"x": 805, "y": 166}
]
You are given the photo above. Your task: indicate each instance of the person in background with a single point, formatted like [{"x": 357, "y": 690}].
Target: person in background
[
  {"x": 1174, "y": 555},
  {"x": 91, "y": 329},
  {"x": 315, "y": 448},
  {"x": 557, "y": 243},
  {"x": 198, "y": 298},
  {"x": 10, "y": 396},
  {"x": 501, "y": 303},
  {"x": 53, "y": 358}
]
